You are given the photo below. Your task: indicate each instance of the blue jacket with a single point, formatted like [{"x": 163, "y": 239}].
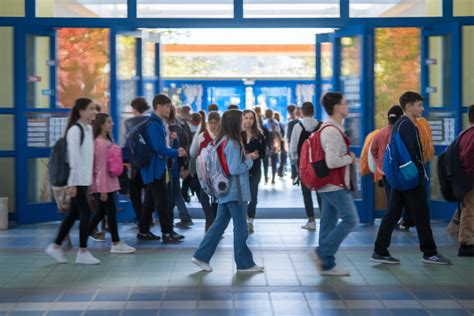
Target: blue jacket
[
  {"x": 155, "y": 137},
  {"x": 237, "y": 167}
]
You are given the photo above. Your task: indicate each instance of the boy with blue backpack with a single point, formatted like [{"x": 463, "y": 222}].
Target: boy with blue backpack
[{"x": 405, "y": 171}]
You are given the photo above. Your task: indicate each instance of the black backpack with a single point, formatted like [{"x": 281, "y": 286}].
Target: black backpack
[
  {"x": 58, "y": 165},
  {"x": 304, "y": 136},
  {"x": 454, "y": 182},
  {"x": 140, "y": 151}
]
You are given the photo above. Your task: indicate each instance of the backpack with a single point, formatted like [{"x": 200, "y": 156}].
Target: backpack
[
  {"x": 276, "y": 139},
  {"x": 314, "y": 172},
  {"x": 58, "y": 165},
  {"x": 304, "y": 136},
  {"x": 139, "y": 151},
  {"x": 114, "y": 160},
  {"x": 454, "y": 182},
  {"x": 212, "y": 170},
  {"x": 400, "y": 171}
]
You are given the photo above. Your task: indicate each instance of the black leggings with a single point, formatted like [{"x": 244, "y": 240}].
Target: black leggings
[
  {"x": 79, "y": 208},
  {"x": 108, "y": 207}
]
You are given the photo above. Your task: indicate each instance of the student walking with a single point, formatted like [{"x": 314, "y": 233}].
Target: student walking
[
  {"x": 80, "y": 153},
  {"x": 154, "y": 174},
  {"x": 233, "y": 204},
  {"x": 414, "y": 199},
  {"x": 336, "y": 198},
  {"x": 253, "y": 139},
  {"x": 105, "y": 184}
]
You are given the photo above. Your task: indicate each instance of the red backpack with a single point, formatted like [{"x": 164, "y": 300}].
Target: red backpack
[{"x": 314, "y": 172}]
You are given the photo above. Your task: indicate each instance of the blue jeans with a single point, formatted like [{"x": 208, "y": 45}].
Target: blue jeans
[
  {"x": 335, "y": 205},
  {"x": 242, "y": 254}
]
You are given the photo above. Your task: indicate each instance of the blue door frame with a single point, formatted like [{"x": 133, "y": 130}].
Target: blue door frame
[{"x": 30, "y": 24}]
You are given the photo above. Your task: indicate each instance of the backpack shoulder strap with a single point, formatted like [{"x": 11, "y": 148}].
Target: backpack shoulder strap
[{"x": 82, "y": 131}]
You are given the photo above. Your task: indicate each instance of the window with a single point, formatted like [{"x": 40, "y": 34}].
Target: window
[
  {"x": 39, "y": 189},
  {"x": 7, "y": 188},
  {"x": 467, "y": 65},
  {"x": 395, "y": 8},
  {"x": 6, "y": 67},
  {"x": 78, "y": 79},
  {"x": 12, "y": 8},
  {"x": 396, "y": 67},
  {"x": 291, "y": 8},
  {"x": 81, "y": 8},
  {"x": 7, "y": 122},
  {"x": 463, "y": 7},
  {"x": 185, "y": 8}
]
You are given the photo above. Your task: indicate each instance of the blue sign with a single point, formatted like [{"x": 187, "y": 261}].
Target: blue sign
[{"x": 47, "y": 92}]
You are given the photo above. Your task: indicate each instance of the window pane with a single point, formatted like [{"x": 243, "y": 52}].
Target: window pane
[
  {"x": 12, "y": 8},
  {"x": 396, "y": 68},
  {"x": 291, "y": 9},
  {"x": 467, "y": 65},
  {"x": 395, "y": 8},
  {"x": 7, "y": 123},
  {"x": 439, "y": 71},
  {"x": 39, "y": 190},
  {"x": 6, "y": 67},
  {"x": 463, "y": 7},
  {"x": 76, "y": 78},
  {"x": 465, "y": 120},
  {"x": 44, "y": 129},
  {"x": 185, "y": 8},
  {"x": 7, "y": 188},
  {"x": 435, "y": 191},
  {"x": 38, "y": 89},
  {"x": 149, "y": 54},
  {"x": 350, "y": 70},
  {"x": 82, "y": 8}
]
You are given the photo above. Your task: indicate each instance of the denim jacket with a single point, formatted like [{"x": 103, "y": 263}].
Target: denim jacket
[
  {"x": 237, "y": 167},
  {"x": 155, "y": 137}
]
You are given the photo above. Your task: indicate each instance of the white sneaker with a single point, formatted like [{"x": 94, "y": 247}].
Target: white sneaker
[
  {"x": 203, "y": 265},
  {"x": 336, "y": 271},
  {"x": 122, "y": 247},
  {"x": 86, "y": 258},
  {"x": 56, "y": 253},
  {"x": 309, "y": 226},
  {"x": 254, "y": 269}
]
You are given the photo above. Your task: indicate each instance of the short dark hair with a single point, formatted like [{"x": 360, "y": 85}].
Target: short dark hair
[
  {"x": 160, "y": 99},
  {"x": 470, "y": 112},
  {"x": 212, "y": 107},
  {"x": 140, "y": 105},
  {"x": 291, "y": 108},
  {"x": 409, "y": 97},
  {"x": 232, "y": 107},
  {"x": 308, "y": 109},
  {"x": 196, "y": 118},
  {"x": 98, "y": 108},
  {"x": 186, "y": 109},
  {"x": 268, "y": 113},
  {"x": 394, "y": 113},
  {"x": 329, "y": 101}
]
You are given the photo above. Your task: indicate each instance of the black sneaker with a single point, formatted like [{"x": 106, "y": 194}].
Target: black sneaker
[
  {"x": 184, "y": 224},
  {"x": 436, "y": 259},
  {"x": 402, "y": 227},
  {"x": 147, "y": 236},
  {"x": 384, "y": 259},
  {"x": 466, "y": 250},
  {"x": 172, "y": 237}
]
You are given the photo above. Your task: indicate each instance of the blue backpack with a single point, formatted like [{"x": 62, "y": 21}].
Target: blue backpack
[
  {"x": 137, "y": 150},
  {"x": 400, "y": 171}
]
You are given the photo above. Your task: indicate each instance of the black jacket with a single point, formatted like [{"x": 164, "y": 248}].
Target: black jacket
[{"x": 256, "y": 143}]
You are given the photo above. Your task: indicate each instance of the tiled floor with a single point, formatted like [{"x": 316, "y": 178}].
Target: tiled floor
[{"x": 160, "y": 280}]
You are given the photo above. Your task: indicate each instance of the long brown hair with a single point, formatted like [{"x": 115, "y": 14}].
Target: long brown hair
[
  {"x": 231, "y": 126},
  {"x": 74, "y": 115},
  {"x": 256, "y": 129},
  {"x": 203, "y": 121},
  {"x": 100, "y": 120}
]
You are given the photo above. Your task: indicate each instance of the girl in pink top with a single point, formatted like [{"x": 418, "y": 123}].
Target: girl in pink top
[{"x": 104, "y": 185}]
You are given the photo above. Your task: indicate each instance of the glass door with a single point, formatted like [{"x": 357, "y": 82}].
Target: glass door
[
  {"x": 42, "y": 125},
  {"x": 324, "y": 70},
  {"x": 442, "y": 105}
]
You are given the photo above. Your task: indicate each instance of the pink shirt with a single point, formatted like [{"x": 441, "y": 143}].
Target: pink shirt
[
  {"x": 102, "y": 182},
  {"x": 379, "y": 143}
]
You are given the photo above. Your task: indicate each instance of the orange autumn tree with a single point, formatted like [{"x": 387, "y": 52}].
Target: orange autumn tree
[
  {"x": 396, "y": 68},
  {"x": 83, "y": 66}
]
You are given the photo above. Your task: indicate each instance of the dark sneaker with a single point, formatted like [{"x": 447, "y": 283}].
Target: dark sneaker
[
  {"x": 147, "y": 236},
  {"x": 436, "y": 259},
  {"x": 184, "y": 224},
  {"x": 402, "y": 227},
  {"x": 384, "y": 259},
  {"x": 173, "y": 237},
  {"x": 466, "y": 250},
  {"x": 98, "y": 236}
]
